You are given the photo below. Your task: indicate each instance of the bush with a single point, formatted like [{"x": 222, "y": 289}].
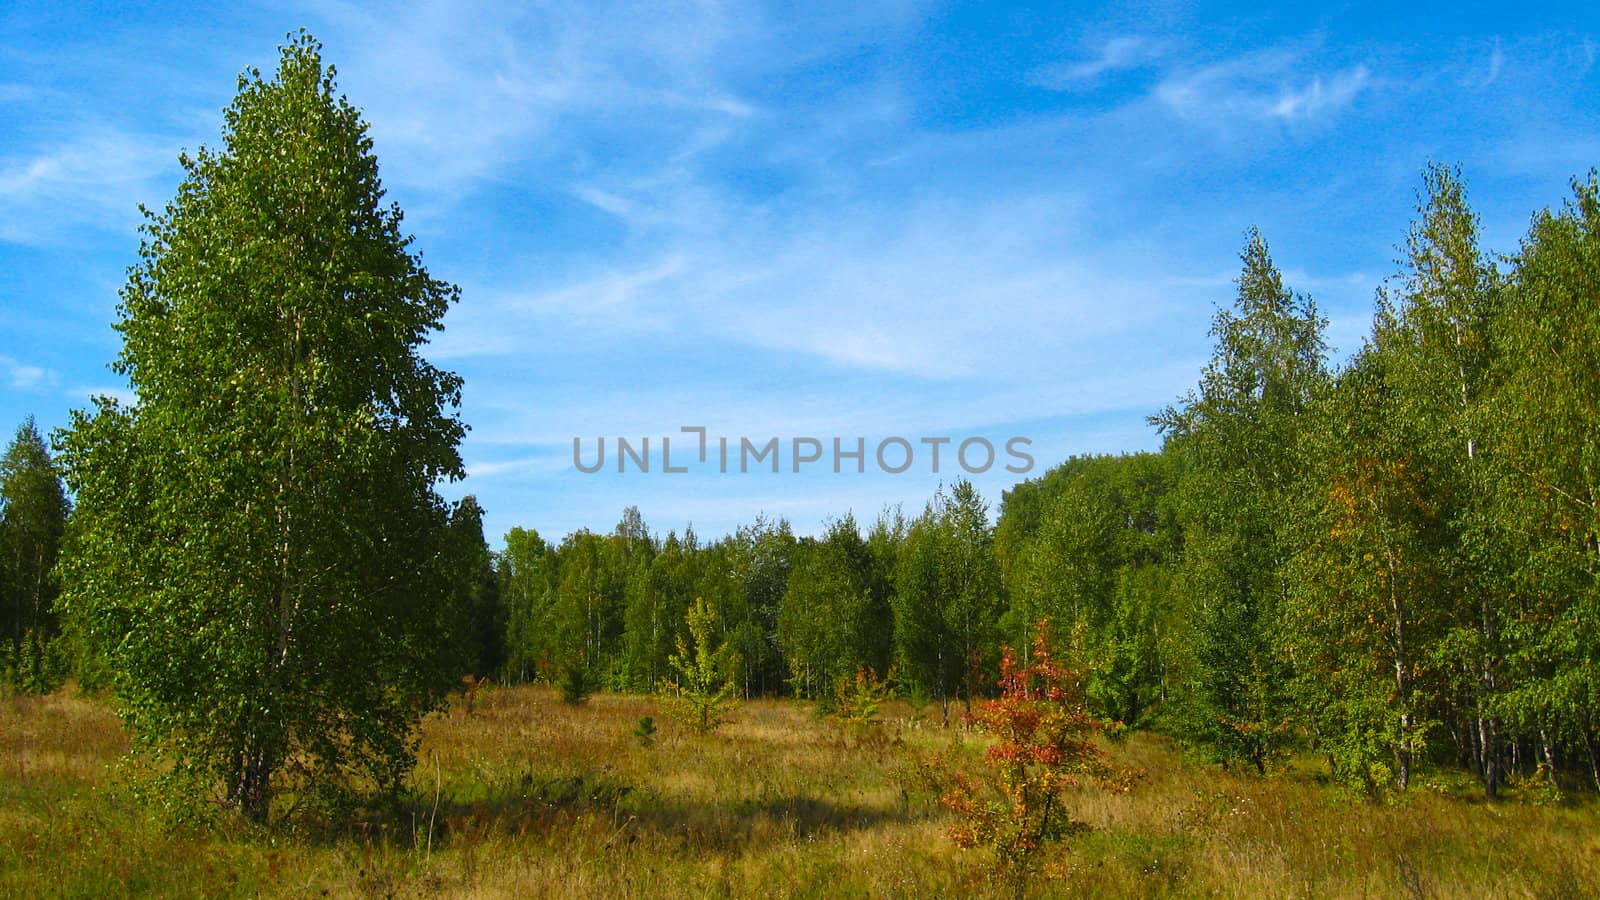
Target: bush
[
  {"x": 856, "y": 700},
  {"x": 646, "y": 732},
  {"x": 702, "y": 695},
  {"x": 1044, "y": 748},
  {"x": 576, "y": 683}
]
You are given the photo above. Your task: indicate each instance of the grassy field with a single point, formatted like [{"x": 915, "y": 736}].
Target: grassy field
[{"x": 525, "y": 796}]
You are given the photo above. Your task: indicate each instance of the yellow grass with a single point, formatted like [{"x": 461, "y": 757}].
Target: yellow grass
[{"x": 527, "y": 797}]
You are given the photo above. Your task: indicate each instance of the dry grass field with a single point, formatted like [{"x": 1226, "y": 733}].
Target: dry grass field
[{"x": 527, "y": 797}]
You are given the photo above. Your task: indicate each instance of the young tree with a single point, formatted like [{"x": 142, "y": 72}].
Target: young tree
[
  {"x": 761, "y": 555},
  {"x": 527, "y": 590},
  {"x": 483, "y": 624},
  {"x": 33, "y": 516},
  {"x": 972, "y": 606},
  {"x": 259, "y": 548},
  {"x": 587, "y": 609},
  {"x": 1370, "y": 602},
  {"x": 706, "y": 677},
  {"x": 1238, "y": 438},
  {"x": 1044, "y": 748},
  {"x": 1434, "y": 332},
  {"x": 1066, "y": 571},
  {"x": 1095, "y": 551},
  {"x": 925, "y": 651}
]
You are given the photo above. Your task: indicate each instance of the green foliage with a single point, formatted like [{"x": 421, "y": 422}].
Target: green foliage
[
  {"x": 33, "y": 517},
  {"x": 1369, "y": 596},
  {"x": 829, "y": 621},
  {"x": 856, "y": 699},
  {"x": 525, "y": 572},
  {"x": 576, "y": 683},
  {"x": 1238, "y": 439},
  {"x": 1543, "y": 425},
  {"x": 482, "y": 623},
  {"x": 658, "y": 589},
  {"x": 759, "y": 559},
  {"x": 36, "y": 665},
  {"x": 947, "y": 597},
  {"x": 586, "y": 606},
  {"x": 618, "y": 601},
  {"x": 645, "y": 731},
  {"x": 1435, "y": 335},
  {"x": 1094, "y": 550},
  {"x": 258, "y": 549},
  {"x": 701, "y": 694}
]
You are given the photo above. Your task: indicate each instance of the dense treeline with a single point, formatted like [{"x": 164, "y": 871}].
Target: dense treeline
[{"x": 1392, "y": 562}]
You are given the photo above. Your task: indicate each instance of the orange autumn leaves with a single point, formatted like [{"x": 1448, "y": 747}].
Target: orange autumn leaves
[{"x": 1045, "y": 747}]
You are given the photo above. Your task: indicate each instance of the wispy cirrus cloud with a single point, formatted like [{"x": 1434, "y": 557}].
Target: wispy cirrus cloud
[
  {"x": 21, "y": 376},
  {"x": 936, "y": 291},
  {"x": 549, "y": 463},
  {"x": 1321, "y": 96},
  {"x": 96, "y": 178},
  {"x": 1497, "y": 61},
  {"x": 486, "y": 89},
  {"x": 1279, "y": 84},
  {"x": 1116, "y": 54}
]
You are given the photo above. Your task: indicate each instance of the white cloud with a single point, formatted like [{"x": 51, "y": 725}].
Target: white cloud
[
  {"x": 547, "y": 464},
  {"x": 627, "y": 300},
  {"x": 936, "y": 292},
  {"x": 1320, "y": 98},
  {"x": 1263, "y": 86},
  {"x": 20, "y": 376},
  {"x": 1127, "y": 52},
  {"x": 96, "y": 179},
  {"x": 481, "y": 89},
  {"x": 1497, "y": 61}
]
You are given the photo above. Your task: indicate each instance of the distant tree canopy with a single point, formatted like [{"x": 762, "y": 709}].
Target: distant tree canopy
[{"x": 258, "y": 550}]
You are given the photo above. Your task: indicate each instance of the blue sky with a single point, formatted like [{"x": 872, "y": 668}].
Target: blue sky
[{"x": 863, "y": 219}]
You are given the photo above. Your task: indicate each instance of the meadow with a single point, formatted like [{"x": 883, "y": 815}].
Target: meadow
[{"x": 522, "y": 795}]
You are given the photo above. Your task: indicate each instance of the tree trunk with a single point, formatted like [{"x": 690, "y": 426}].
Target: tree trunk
[
  {"x": 1489, "y": 725},
  {"x": 1594, "y": 758},
  {"x": 1549, "y": 755},
  {"x": 1488, "y": 741},
  {"x": 1402, "y": 750},
  {"x": 252, "y": 789}
]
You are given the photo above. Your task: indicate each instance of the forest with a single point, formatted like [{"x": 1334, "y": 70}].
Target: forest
[
  {"x": 1390, "y": 562},
  {"x": 1377, "y": 573}
]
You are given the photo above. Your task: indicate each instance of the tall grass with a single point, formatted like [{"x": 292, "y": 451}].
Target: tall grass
[{"x": 527, "y": 796}]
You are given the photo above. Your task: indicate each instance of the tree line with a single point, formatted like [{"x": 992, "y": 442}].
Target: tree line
[{"x": 1391, "y": 561}]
